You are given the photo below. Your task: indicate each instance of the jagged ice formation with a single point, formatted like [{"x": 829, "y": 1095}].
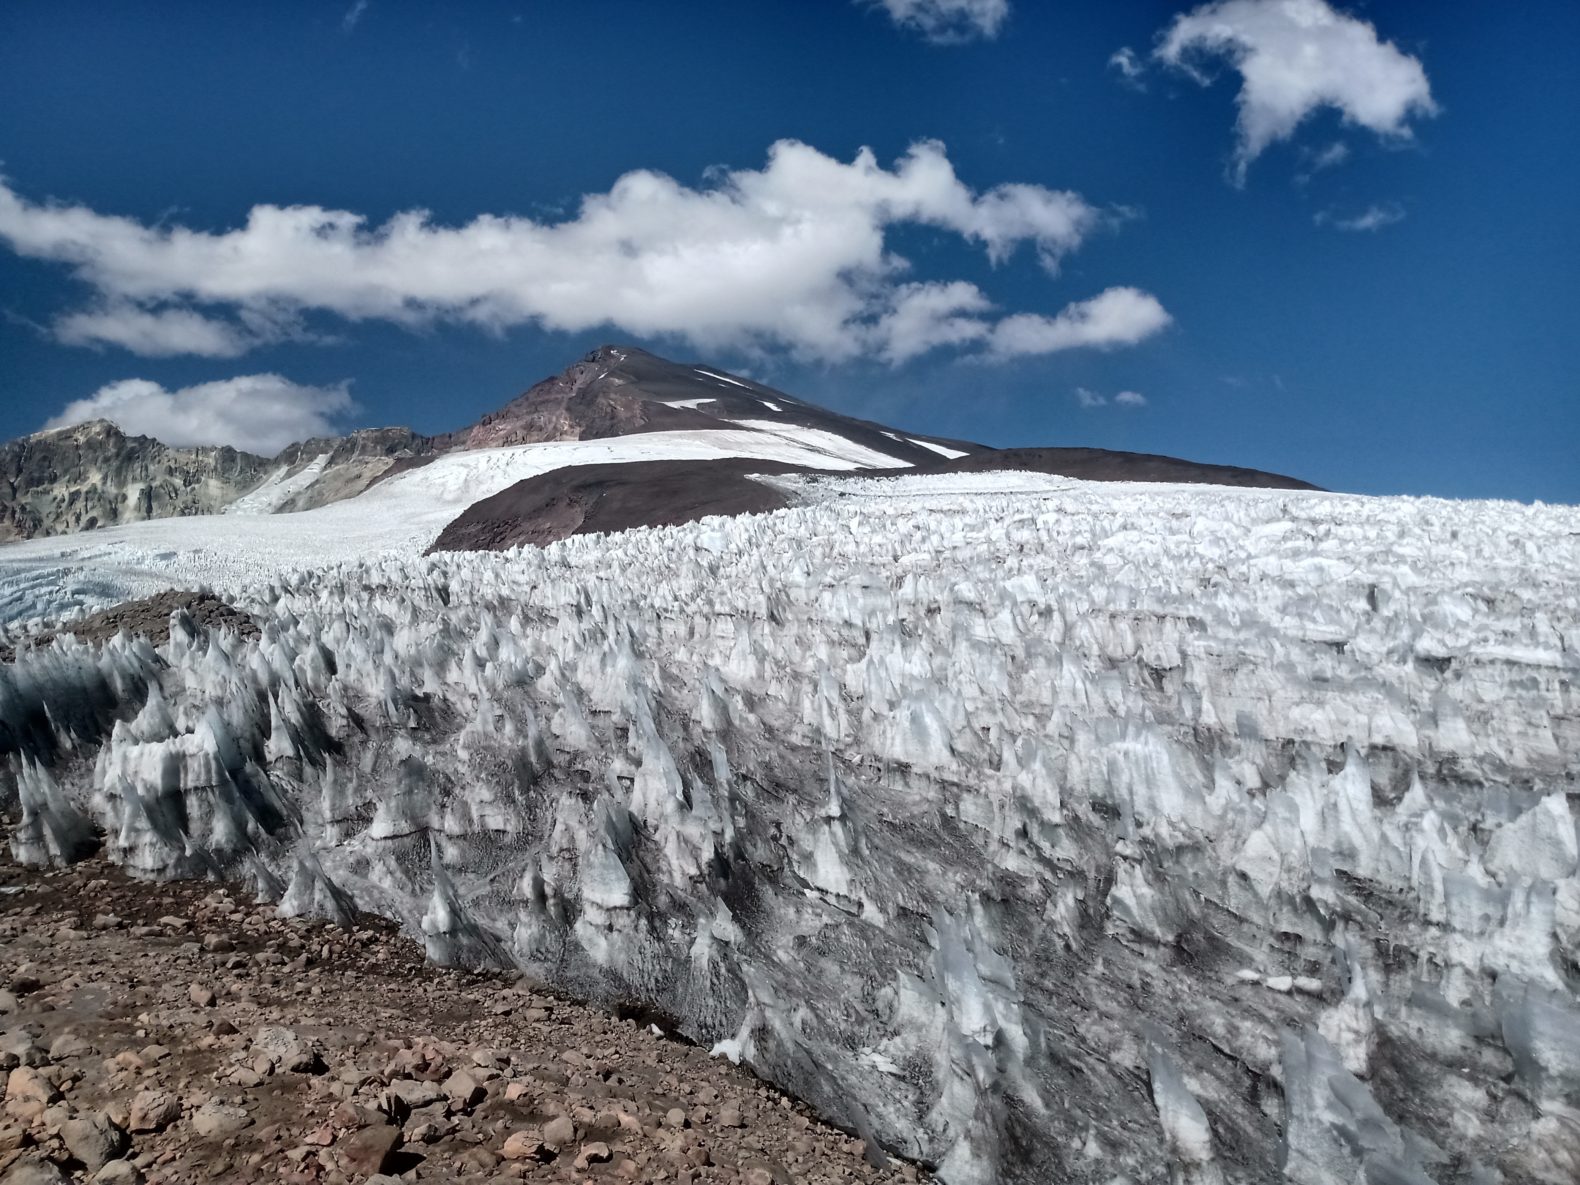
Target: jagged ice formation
[{"x": 1090, "y": 834}]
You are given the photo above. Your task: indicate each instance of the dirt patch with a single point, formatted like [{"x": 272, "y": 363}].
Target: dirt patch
[
  {"x": 597, "y": 499},
  {"x": 1096, "y": 464},
  {"x": 149, "y": 617},
  {"x": 180, "y": 1033}
]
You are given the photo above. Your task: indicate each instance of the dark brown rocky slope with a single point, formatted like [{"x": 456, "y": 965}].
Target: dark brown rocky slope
[
  {"x": 598, "y": 499},
  {"x": 1096, "y": 464}
]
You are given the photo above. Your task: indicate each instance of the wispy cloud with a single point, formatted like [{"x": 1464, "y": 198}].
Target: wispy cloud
[
  {"x": 1373, "y": 218},
  {"x": 1295, "y": 57},
  {"x": 160, "y": 333},
  {"x": 1128, "y": 65},
  {"x": 1318, "y": 160},
  {"x": 794, "y": 256},
  {"x": 1331, "y": 157},
  {"x": 353, "y": 17},
  {"x": 1089, "y": 398},
  {"x": 947, "y": 22}
]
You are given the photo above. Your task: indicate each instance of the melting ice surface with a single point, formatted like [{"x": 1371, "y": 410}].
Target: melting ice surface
[{"x": 1053, "y": 833}]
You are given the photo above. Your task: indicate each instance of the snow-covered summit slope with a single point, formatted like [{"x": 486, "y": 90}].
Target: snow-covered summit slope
[
  {"x": 1075, "y": 834},
  {"x": 401, "y": 515}
]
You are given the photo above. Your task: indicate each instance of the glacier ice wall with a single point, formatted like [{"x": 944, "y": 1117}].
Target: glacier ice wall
[{"x": 1104, "y": 834}]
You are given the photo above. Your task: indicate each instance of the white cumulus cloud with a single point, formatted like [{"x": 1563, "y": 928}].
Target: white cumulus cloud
[
  {"x": 948, "y": 21},
  {"x": 926, "y": 316},
  {"x": 258, "y": 413},
  {"x": 1295, "y": 57},
  {"x": 1117, "y": 317},
  {"x": 793, "y": 256},
  {"x": 153, "y": 333},
  {"x": 1130, "y": 399}
]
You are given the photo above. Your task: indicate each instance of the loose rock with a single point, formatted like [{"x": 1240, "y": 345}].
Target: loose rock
[
  {"x": 522, "y": 1146},
  {"x": 559, "y": 1131},
  {"x": 94, "y": 1140},
  {"x": 154, "y": 1110},
  {"x": 119, "y": 1172},
  {"x": 34, "y": 1170},
  {"x": 220, "y": 1119},
  {"x": 369, "y": 1150}
]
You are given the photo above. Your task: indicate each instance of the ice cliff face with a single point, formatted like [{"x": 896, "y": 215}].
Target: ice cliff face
[{"x": 1107, "y": 834}]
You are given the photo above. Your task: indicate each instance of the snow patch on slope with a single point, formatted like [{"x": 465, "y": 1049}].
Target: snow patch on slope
[
  {"x": 837, "y": 452},
  {"x": 723, "y": 378},
  {"x": 279, "y": 488},
  {"x": 949, "y": 453}
]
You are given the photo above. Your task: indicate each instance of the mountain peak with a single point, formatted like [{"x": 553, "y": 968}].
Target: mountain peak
[
  {"x": 81, "y": 430},
  {"x": 615, "y": 352},
  {"x": 620, "y": 390}
]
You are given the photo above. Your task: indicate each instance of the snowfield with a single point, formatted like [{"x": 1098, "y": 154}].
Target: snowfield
[
  {"x": 401, "y": 516},
  {"x": 1039, "y": 830}
]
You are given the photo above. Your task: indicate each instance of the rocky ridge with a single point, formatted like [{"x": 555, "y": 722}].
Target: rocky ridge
[{"x": 94, "y": 475}]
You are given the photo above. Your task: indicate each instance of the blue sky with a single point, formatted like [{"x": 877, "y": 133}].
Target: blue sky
[{"x": 1038, "y": 229}]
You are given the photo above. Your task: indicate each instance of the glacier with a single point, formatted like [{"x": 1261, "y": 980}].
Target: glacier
[
  {"x": 399, "y": 516},
  {"x": 1033, "y": 829}
]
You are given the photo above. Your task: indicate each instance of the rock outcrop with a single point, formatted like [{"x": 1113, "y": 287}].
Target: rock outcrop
[{"x": 94, "y": 475}]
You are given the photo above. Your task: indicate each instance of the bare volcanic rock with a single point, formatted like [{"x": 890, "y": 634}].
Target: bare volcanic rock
[
  {"x": 95, "y": 475},
  {"x": 599, "y": 499},
  {"x": 1096, "y": 464},
  {"x": 583, "y": 402}
]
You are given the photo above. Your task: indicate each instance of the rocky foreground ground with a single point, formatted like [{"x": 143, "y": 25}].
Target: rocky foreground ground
[{"x": 179, "y": 1033}]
